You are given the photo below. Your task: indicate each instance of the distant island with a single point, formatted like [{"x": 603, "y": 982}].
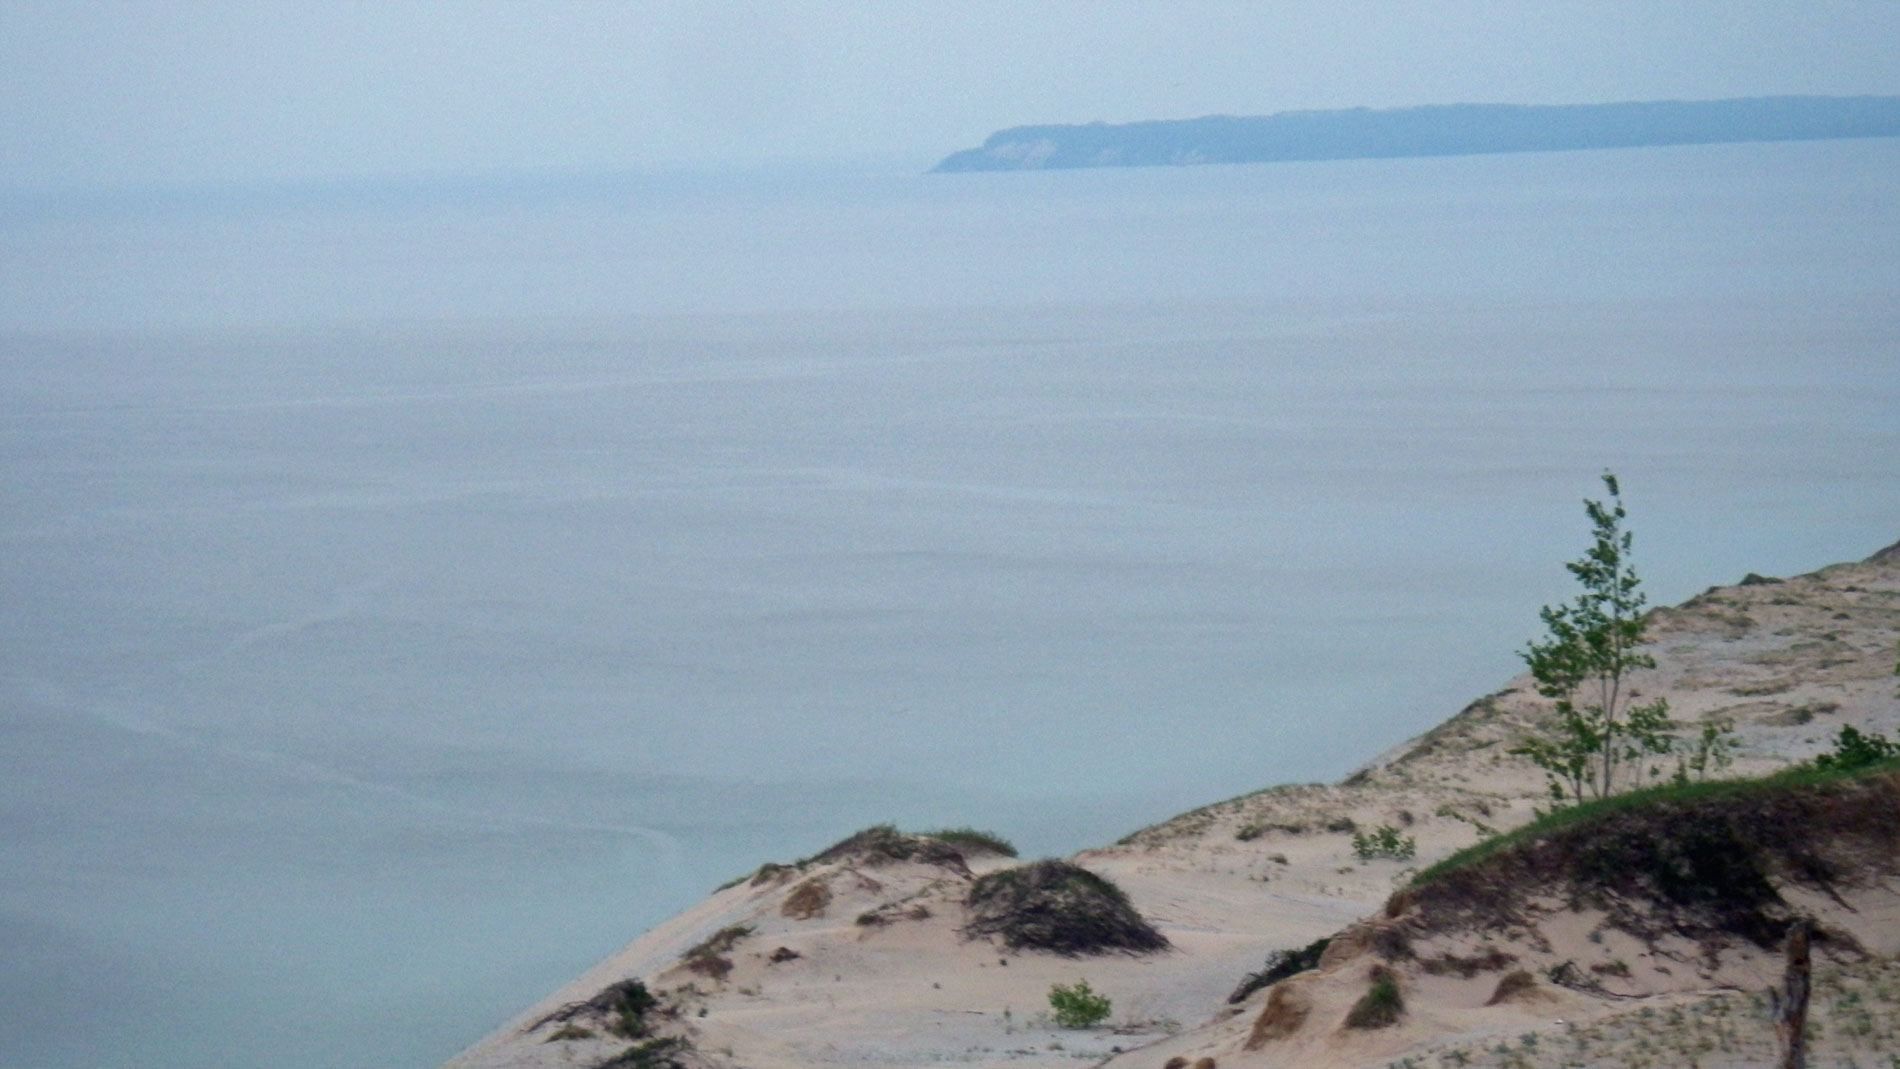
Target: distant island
[{"x": 1440, "y": 130}]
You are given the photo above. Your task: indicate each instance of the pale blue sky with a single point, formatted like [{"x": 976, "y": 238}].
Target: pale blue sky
[{"x": 126, "y": 94}]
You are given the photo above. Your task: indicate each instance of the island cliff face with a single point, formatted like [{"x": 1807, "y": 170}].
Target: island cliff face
[{"x": 1448, "y": 130}]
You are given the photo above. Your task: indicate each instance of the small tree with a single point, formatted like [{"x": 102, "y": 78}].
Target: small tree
[
  {"x": 1584, "y": 664},
  {"x": 1712, "y": 751}
]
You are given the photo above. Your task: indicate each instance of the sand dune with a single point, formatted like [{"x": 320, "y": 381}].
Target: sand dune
[{"x": 863, "y": 958}]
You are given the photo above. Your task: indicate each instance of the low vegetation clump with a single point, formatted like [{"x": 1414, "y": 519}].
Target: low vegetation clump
[
  {"x": 660, "y": 1053},
  {"x": 1854, "y": 750},
  {"x": 1077, "y": 1005},
  {"x": 621, "y": 1008},
  {"x": 807, "y": 900},
  {"x": 1518, "y": 985},
  {"x": 1283, "y": 1016},
  {"x": 883, "y": 844},
  {"x": 1384, "y": 842},
  {"x": 1280, "y": 965},
  {"x": 891, "y": 913},
  {"x": 708, "y": 957},
  {"x": 1819, "y": 774},
  {"x": 719, "y": 942},
  {"x": 769, "y": 872},
  {"x": 972, "y": 842},
  {"x": 1705, "y": 862},
  {"x": 1058, "y": 907},
  {"x": 1381, "y": 1006},
  {"x": 1466, "y": 966}
]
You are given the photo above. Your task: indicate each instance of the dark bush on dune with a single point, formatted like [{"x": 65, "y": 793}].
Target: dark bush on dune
[{"x": 1060, "y": 908}]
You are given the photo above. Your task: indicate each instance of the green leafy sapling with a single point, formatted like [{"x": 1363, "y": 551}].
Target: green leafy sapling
[
  {"x": 1077, "y": 1005},
  {"x": 1713, "y": 751},
  {"x": 1384, "y": 842},
  {"x": 1591, "y": 648}
]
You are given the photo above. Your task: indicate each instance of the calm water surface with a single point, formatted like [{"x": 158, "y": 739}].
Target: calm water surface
[{"x": 415, "y": 593}]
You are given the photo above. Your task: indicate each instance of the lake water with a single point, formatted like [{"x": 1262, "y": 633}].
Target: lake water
[{"x": 415, "y": 592}]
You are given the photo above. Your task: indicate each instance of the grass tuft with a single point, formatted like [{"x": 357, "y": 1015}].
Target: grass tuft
[
  {"x": 1381, "y": 1006},
  {"x": 1665, "y": 794},
  {"x": 971, "y": 841},
  {"x": 661, "y": 1053}
]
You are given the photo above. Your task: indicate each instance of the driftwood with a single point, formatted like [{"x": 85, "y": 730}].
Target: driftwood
[{"x": 1789, "y": 1002}]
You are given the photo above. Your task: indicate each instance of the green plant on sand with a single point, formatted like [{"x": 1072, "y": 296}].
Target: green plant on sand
[
  {"x": 1077, "y": 1005},
  {"x": 1854, "y": 750},
  {"x": 620, "y": 1008},
  {"x": 1584, "y": 662},
  {"x": 1386, "y": 842}
]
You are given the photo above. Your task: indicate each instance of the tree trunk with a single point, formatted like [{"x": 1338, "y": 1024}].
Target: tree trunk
[{"x": 1790, "y": 1000}]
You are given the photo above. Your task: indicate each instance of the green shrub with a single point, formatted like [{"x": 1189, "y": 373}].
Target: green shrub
[
  {"x": 1384, "y": 842},
  {"x": 1854, "y": 750},
  {"x": 1077, "y": 1006}
]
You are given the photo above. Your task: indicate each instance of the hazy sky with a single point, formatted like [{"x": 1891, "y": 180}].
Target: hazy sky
[{"x": 95, "y": 93}]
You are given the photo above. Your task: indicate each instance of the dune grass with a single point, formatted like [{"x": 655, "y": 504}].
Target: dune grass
[
  {"x": 972, "y": 841},
  {"x": 1805, "y": 775}
]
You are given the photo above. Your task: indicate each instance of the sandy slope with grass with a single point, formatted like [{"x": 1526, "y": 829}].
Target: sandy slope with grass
[{"x": 864, "y": 955}]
